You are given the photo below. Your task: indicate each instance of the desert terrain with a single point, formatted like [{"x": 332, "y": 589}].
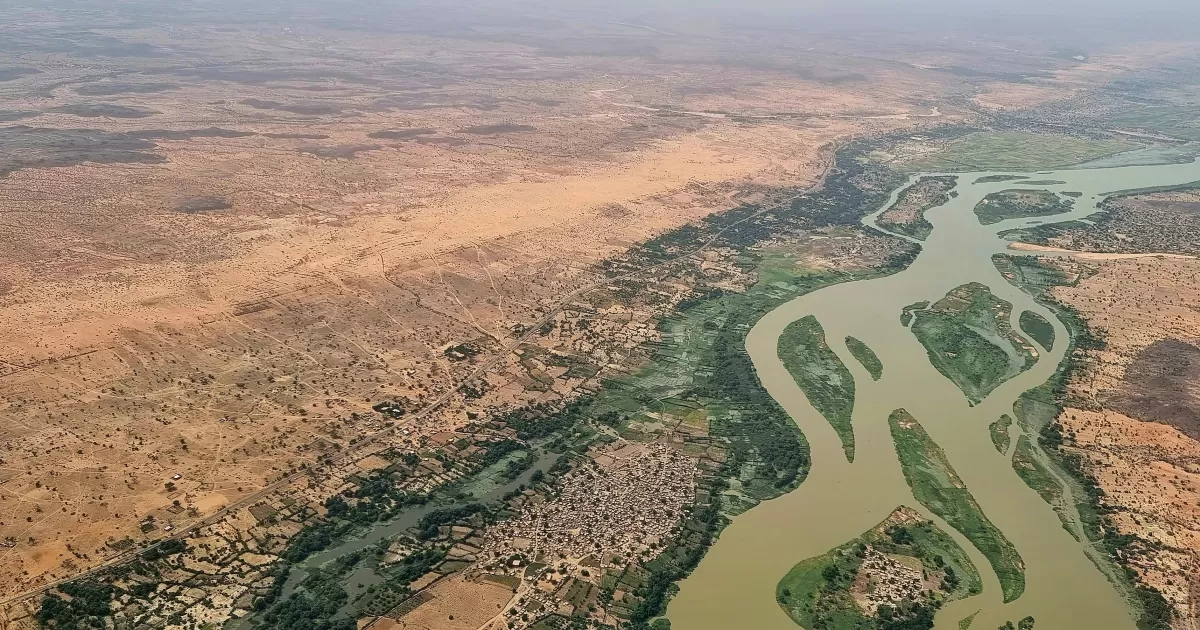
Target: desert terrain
[
  {"x": 1131, "y": 408},
  {"x": 210, "y": 262},
  {"x": 228, "y": 235}
]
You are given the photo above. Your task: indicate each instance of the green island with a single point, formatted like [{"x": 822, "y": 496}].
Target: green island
[
  {"x": 990, "y": 179},
  {"x": 818, "y": 371},
  {"x": 999, "y": 433},
  {"x": 865, "y": 356},
  {"x": 936, "y": 486},
  {"x": 965, "y": 622},
  {"x": 969, "y": 340},
  {"x": 893, "y": 577},
  {"x": 1019, "y": 203},
  {"x": 1037, "y": 327}
]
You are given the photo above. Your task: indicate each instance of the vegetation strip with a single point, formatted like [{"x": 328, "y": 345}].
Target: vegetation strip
[
  {"x": 936, "y": 486},
  {"x": 866, "y": 357}
]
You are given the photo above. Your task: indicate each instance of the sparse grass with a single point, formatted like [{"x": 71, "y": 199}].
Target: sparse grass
[
  {"x": 1020, "y": 203},
  {"x": 999, "y": 431},
  {"x": 1037, "y": 327},
  {"x": 1015, "y": 151},
  {"x": 969, "y": 340},
  {"x": 866, "y": 357},
  {"x": 821, "y": 374},
  {"x": 935, "y": 484}
]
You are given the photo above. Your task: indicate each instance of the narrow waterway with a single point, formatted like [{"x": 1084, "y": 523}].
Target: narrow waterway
[{"x": 734, "y": 586}]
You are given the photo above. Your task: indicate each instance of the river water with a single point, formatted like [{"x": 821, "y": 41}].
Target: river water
[{"x": 734, "y": 586}]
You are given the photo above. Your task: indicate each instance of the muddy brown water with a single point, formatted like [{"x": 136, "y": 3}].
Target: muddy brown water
[{"x": 734, "y": 585}]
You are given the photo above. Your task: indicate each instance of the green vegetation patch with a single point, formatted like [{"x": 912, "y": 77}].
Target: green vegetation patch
[
  {"x": 821, "y": 592},
  {"x": 1015, "y": 151},
  {"x": 866, "y": 357},
  {"x": 969, "y": 340},
  {"x": 1020, "y": 203},
  {"x": 935, "y": 484},
  {"x": 1037, "y": 327},
  {"x": 999, "y": 432},
  {"x": 821, "y": 374}
]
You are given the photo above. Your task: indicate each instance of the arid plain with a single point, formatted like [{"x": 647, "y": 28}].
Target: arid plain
[{"x": 223, "y": 240}]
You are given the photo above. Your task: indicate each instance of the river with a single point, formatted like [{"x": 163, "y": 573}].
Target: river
[{"x": 734, "y": 585}]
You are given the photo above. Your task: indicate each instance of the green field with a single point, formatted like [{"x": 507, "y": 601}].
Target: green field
[
  {"x": 821, "y": 374},
  {"x": 1014, "y": 151},
  {"x": 866, "y": 357},
  {"x": 935, "y": 484},
  {"x": 1020, "y": 203},
  {"x": 1037, "y": 327},
  {"x": 968, "y": 339},
  {"x": 816, "y": 593},
  {"x": 999, "y": 432}
]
